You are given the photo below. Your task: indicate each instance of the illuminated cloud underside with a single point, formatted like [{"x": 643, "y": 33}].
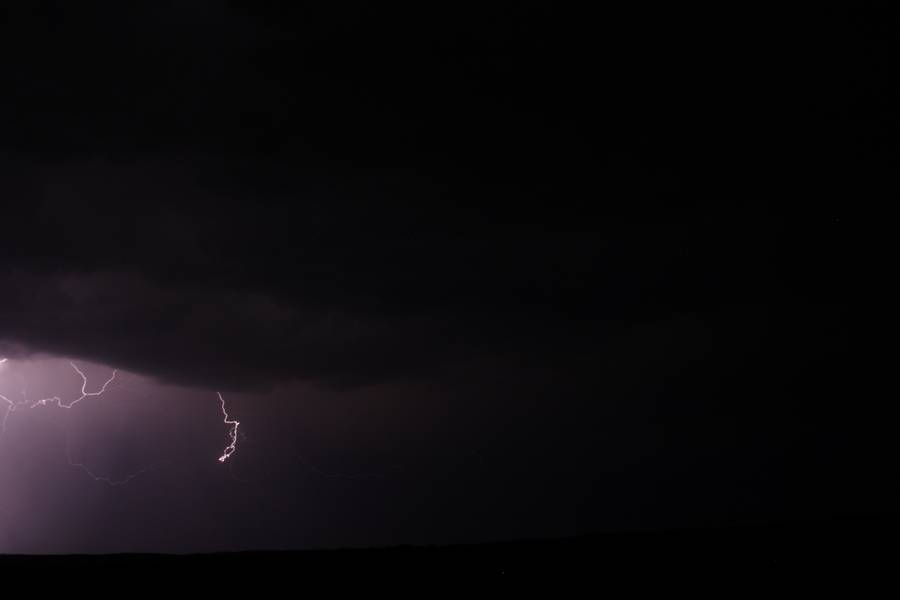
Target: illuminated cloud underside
[{"x": 57, "y": 401}]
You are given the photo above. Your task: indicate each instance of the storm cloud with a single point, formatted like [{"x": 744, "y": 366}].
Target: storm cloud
[{"x": 570, "y": 273}]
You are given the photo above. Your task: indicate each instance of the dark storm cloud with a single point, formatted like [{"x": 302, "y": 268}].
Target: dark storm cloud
[
  {"x": 151, "y": 267},
  {"x": 222, "y": 192},
  {"x": 207, "y": 192}
]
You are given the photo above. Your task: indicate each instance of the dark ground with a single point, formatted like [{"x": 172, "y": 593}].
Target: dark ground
[{"x": 852, "y": 553}]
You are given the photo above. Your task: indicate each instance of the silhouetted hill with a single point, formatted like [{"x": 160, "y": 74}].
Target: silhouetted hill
[{"x": 812, "y": 555}]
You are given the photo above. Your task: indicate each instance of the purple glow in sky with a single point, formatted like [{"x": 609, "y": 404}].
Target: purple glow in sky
[
  {"x": 135, "y": 468},
  {"x": 59, "y": 402},
  {"x": 47, "y": 422}
]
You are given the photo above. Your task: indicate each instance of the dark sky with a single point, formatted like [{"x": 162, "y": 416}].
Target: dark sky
[{"x": 467, "y": 273}]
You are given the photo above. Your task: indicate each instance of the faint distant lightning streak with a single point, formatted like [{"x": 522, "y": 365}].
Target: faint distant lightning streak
[
  {"x": 12, "y": 406},
  {"x": 232, "y": 433},
  {"x": 100, "y": 478}
]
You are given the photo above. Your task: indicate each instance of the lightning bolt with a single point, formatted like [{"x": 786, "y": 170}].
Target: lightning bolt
[
  {"x": 57, "y": 401},
  {"x": 84, "y": 392},
  {"x": 13, "y": 406},
  {"x": 232, "y": 433},
  {"x": 10, "y": 408}
]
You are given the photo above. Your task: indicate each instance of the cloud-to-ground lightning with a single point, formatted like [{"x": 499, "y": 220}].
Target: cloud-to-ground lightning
[
  {"x": 58, "y": 402},
  {"x": 232, "y": 433}
]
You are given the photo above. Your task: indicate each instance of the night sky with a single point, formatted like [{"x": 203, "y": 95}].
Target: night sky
[{"x": 462, "y": 274}]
